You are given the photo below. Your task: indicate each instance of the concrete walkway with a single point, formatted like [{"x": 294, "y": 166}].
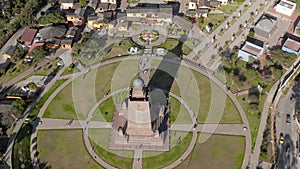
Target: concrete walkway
[
  {"x": 55, "y": 124},
  {"x": 226, "y": 129}
]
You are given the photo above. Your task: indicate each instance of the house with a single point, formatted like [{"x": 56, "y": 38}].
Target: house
[
  {"x": 223, "y": 2},
  {"x": 285, "y": 7},
  {"x": 5, "y": 60},
  {"x": 200, "y": 12},
  {"x": 250, "y": 50},
  {"x": 93, "y": 3},
  {"x": 153, "y": 13},
  {"x": 66, "y": 4},
  {"x": 28, "y": 36},
  {"x": 291, "y": 46},
  {"x": 78, "y": 17},
  {"x": 50, "y": 32},
  {"x": 53, "y": 43},
  {"x": 9, "y": 52},
  {"x": 71, "y": 33},
  {"x": 106, "y": 5},
  {"x": 66, "y": 43},
  {"x": 265, "y": 26}
]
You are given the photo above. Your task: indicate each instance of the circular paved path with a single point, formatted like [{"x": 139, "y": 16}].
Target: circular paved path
[{"x": 194, "y": 138}]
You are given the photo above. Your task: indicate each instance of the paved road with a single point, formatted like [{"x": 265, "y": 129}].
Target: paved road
[
  {"x": 287, "y": 157},
  {"x": 263, "y": 120}
]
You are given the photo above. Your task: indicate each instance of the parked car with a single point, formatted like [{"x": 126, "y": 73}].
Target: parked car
[{"x": 288, "y": 118}]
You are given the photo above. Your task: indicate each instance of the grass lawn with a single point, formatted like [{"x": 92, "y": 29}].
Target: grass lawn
[
  {"x": 64, "y": 149},
  {"x": 219, "y": 151},
  {"x": 229, "y": 9},
  {"x": 230, "y": 114},
  {"x": 155, "y": 160},
  {"x": 40, "y": 103},
  {"x": 169, "y": 44},
  {"x": 105, "y": 111},
  {"x": 253, "y": 118},
  {"x": 21, "y": 149},
  {"x": 62, "y": 105},
  {"x": 214, "y": 19},
  {"x": 99, "y": 139},
  {"x": 178, "y": 113},
  {"x": 120, "y": 49}
]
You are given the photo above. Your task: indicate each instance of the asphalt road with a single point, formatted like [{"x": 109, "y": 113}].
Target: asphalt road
[{"x": 288, "y": 151}]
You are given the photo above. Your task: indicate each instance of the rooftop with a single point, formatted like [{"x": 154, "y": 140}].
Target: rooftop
[
  {"x": 28, "y": 35},
  {"x": 266, "y": 23},
  {"x": 292, "y": 44},
  {"x": 251, "y": 48},
  {"x": 287, "y": 4}
]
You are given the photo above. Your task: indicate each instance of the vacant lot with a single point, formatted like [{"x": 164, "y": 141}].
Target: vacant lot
[
  {"x": 64, "y": 149},
  {"x": 219, "y": 151}
]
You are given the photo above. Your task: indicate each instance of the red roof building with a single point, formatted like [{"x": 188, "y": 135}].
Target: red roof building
[{"x": 28, "y": 36}]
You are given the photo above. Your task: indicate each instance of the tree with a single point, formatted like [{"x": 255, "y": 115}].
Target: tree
[
  {"x": 32, "y": 86},
  {"x": 18, "y": 107},
  {"x": 38, "y": 52},
  {"x": 83, "y": 3},
  {"x": 7, "y": 120},
  {"x": 51, "y": 18}
]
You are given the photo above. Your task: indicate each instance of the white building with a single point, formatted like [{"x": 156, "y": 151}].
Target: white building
[{"x": 285, "y": 7}]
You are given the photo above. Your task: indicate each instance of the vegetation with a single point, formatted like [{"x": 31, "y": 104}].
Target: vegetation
[
  {"x": 38, "y": 52},
  {"x": 243, "y": 75},
  {"x": 83, "y": 3},
  {"x": 213, "y": 20},
  {"x": 253, "y": 114},
  {"x": 64, "y": 149},
  {"x": 17, "y": 14},
  {"x": 219, "y": 151},
  {"x": 229, "y": 9},
  {"x": 179, "y": 143},
  {"x": 178, "y": 113},
  {"x": 18, "y": 107},
  {"x": 21, "y": 150},
  {"x": 51, "y": 19},
  {"x": 282, "y": 58},
  {"x": 99, "y": 139},
  {"x": 266, "y": 147},
  {"x": 32, "y": 86},
  {"x": 45, "y": 97}
]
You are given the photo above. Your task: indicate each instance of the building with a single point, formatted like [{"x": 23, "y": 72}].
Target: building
[
  {"x": 78, "y": 17},
  {"x": 50, "y": 32},
  {"x": 66, "y": 4},
  {"x": 223, "y": 2},
  {"x": 134, "y": 123},
  {"x": 66, "y": 43},
  {"x": 71, "y": 33},
  {"x": 265, "y": 26},
  {"x": 28, "y": 36},
  {"x": 285, "y": 7},
  {"x": 53, "y": 43},
  {"x": 151, "y": 13},
  {"x": 8, "y": 54},
  {"x": 291, "y": 46},
  {"x": 250, "y": 50}
]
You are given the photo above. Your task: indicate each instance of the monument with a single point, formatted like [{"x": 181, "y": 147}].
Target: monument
[{"x": 140, "y": 122}]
